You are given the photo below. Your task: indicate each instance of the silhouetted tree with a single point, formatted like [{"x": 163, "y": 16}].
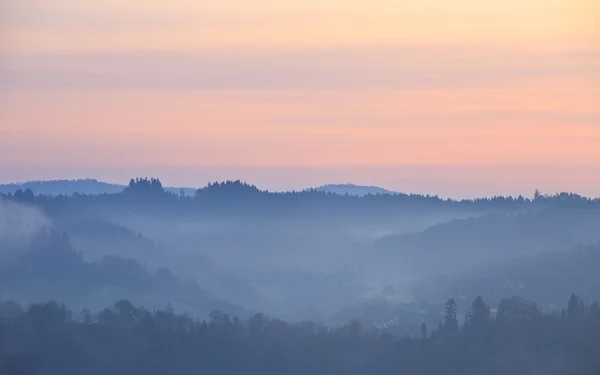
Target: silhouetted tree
[
  {"x": 450, "y": 317},
  {"x": 25, "y": 196},
  {"x": 45, "y": 340},
  {"x": 144, "y": 187},
  {"x": 479, "y": 314}
]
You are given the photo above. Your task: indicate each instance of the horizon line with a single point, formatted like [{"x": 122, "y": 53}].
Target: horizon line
[{"x": 389, "y": 191}]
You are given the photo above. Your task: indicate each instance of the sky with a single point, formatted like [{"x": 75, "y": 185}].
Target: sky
[{"x": 457, "y": 98}]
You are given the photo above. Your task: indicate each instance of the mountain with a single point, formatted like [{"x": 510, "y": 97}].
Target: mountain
[
  {"x": 460, "y": 244},
  {"x": 64, "y": 187},
  {"x": 97, "y": 239},
  {"x": 546, "y": 277},
  {"x": 48, "y": 267},
  {"x": 80, "y": 186},
  {"x": 351, "y": 189}
]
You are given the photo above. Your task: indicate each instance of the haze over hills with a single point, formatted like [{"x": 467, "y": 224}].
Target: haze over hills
[
  {"x": 87, "y": 186},
  {"x": 64, "y": 187},
  {"x": 94, "y": 187},
  {"x": 47, "y": 264},
  {"x": 299, "y": 187},
  {"x": 352, "y": 189},
  {"x": 230, "y": 249},
  {"x": 308, "y": 254},
  {"x": 460, "y": 244}
]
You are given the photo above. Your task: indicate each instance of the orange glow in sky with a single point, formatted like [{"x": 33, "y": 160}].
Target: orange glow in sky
[{"x": 511, "y": 86}]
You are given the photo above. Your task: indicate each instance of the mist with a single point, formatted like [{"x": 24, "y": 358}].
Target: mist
[
  {"x": 390, "y": 262},
  {"x": 19, "y": 223}
]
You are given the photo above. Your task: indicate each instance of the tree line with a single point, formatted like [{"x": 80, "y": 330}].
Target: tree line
[
  {"x": 240, "y": 196},
  {"x": 515, "y": 339}
]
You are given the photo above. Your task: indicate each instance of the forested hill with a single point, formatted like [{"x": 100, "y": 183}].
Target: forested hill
[
  {"x": 351, "y": 189},
  {"x": 50, "y": 339},
  {"x": 240, "y": 196},
  {"x": 86, "y": 186},
  {"x": 90, "y": 186},
  {"x": 545, "y": 278},
  {"x": 47, "y": 265},
  {"x": 64, "y": 187},
  {"x": 459, "y": 244}
]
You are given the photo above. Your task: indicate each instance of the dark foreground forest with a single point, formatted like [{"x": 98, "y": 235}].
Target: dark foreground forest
[{"x": 517, "y": 339}]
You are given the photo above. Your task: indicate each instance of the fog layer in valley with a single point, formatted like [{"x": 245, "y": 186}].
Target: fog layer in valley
[{"x": 310, "y": 255}]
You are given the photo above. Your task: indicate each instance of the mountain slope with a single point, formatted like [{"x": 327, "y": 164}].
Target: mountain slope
[
  {"x": 64, "y": 187},
  {"x": 80, "y": 186},
  {"x": 461, "y": 244},
  {"x": 351, "y": 189},
  {"x": 546, "y": 277},
  {"x": 47, "y": 267}
]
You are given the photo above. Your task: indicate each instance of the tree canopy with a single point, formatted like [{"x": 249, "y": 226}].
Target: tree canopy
[{"x": 50, "y": 339}]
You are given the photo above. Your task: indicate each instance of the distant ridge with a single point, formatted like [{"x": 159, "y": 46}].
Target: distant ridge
[
  {"x": 81, "y": 186},
  {"x": 352, "y": 189},
  {"x": 94, "y": 187},
  {"x": 64, "y": 187}
]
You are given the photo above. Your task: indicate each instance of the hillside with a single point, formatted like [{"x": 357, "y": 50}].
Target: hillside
[
  {"x": 79, "y": 186},
  {"x": 351, "y": 189},
  {"x": 463, "y": 243},
  {"x": 546, "y": 278},
  {"x": 64, "y": 187},
  {"x": 47, "y": 266}
]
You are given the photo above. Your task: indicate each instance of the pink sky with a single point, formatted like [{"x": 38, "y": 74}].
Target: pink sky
[{"x": 461, "y": 100}]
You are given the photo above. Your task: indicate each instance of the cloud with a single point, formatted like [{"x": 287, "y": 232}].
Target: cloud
[{"x": 19, "y": 223}]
